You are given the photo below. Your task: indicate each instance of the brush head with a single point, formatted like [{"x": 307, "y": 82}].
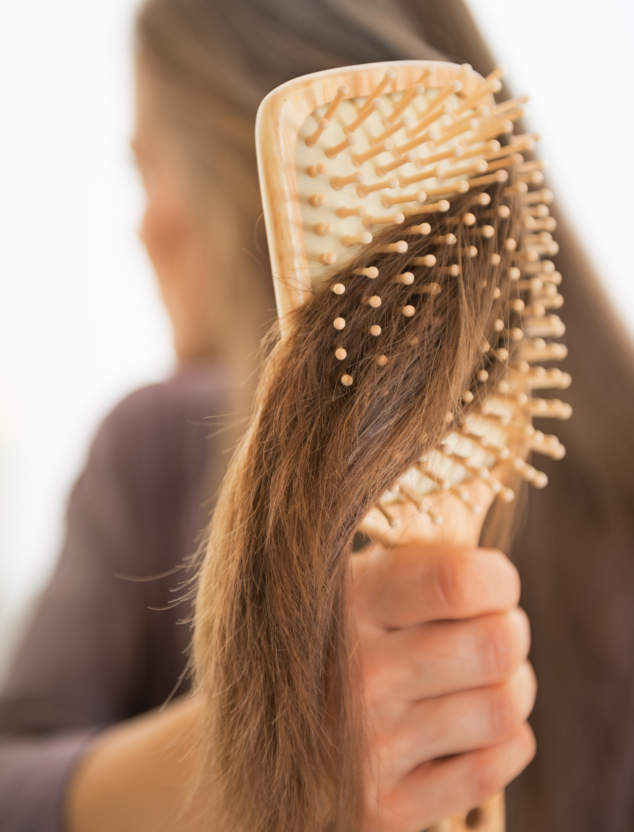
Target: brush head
[{"x": 396, "y": 186}]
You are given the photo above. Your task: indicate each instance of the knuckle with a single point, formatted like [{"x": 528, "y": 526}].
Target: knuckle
[
  {"x": 452, "y": 583},
  {"x": 530, "y": 745},
  {"x": 499, "y": 648},
  {"x": 504, "y": 712},
  {"x": 514, "y": 580},
  {"x": 492, "y": 771},
  {"x": 486, "y": 780},
  {"x": 510, "y": 572}
]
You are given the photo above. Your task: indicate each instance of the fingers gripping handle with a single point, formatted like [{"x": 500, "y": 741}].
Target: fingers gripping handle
[{"x": 459, "y": 527}]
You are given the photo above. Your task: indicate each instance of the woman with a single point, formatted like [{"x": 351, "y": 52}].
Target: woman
[
  {"x": 203, "y": 68},
  {"x": 194, "y": 144}
]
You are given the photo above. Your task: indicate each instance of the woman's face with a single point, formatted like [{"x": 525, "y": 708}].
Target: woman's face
[{"x": 172, "y": 230}]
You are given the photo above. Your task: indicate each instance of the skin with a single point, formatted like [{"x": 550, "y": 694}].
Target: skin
[
  {"x": 176, "y": 238},
  {"x": 443, "y": 649},
  {"x": 443, "y": 644}
]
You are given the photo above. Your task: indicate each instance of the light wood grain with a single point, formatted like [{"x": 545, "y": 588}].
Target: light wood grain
[
  {"x": 280, "y": 119},
  {"x": 489, "y": 817}
]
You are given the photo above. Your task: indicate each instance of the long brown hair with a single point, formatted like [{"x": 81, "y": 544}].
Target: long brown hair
[
  {"x": 211, "y": 63},
  {"x": 575, "y": 549},
  {"x": 273, "y": 644},
  {"x": 215, "y": 62}
]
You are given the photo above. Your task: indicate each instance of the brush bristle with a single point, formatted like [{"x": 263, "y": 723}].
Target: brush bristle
[{"x": 433, "y": 153}]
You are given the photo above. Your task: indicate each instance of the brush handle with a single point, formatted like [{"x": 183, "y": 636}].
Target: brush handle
[
  {"x": 486, "y": 818},
  {"x": 460, "y": 528}
]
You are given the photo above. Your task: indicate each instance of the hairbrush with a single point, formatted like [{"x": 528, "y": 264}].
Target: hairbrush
[{"x": 387, "y": 188}]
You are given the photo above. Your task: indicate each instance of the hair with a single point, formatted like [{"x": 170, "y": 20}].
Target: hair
[
  {"x": 273, "y": 645},
  {"x": 213, "y": 63}
]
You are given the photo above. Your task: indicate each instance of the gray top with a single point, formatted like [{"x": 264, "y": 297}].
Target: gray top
[{"x": 101, "y": 647}]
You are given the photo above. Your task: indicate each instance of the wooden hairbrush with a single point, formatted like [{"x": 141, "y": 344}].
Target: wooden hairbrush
[{"x": 387, "y": 188}]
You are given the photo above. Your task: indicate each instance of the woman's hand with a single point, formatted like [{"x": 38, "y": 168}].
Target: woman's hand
[
  {"x": 447, "y": 687},
  {"x": 443, "y": 649}
]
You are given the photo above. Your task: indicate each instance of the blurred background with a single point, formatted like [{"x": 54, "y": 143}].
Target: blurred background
[{"x": 81, "y": 323}]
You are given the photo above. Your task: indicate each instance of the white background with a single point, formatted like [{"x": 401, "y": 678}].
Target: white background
[{"x": 80, "y": 320}]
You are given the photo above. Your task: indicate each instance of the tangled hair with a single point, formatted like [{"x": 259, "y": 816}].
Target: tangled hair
[
  {"x": 213, "y": 63},
  {"x": 209, "y": 65},
  {"x": 273, "y": 644}
]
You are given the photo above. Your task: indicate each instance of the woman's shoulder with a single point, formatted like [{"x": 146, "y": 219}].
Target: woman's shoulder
[
  {"x": 192, "y": 391},
  {"x": 163, "y": 427}
]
